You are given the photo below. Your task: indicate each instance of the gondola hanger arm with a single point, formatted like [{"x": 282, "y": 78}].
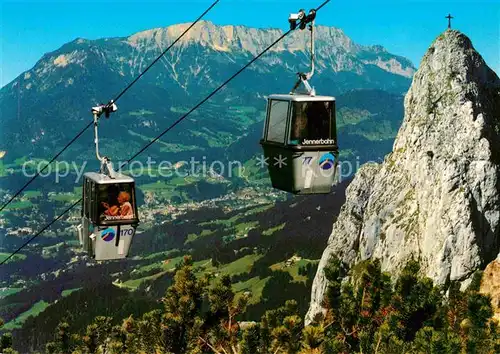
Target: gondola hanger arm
[
  {"x": 302, "y": 20},
  {"x": 97, "y": 111}
]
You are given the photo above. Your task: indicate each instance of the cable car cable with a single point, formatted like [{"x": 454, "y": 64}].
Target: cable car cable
[
  {"x": 163, "y": 133},
  {"x": 41, "y": 231},
  {"x": 47, "y": 165},
  {"x": 112, "y": 101},
  {"x": 206, "y": 98},
  {"x": 164, "y": 52},
  {"x": 217, "y": 89}
]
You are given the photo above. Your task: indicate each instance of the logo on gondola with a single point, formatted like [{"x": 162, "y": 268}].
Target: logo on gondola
[
  {"x": 108, "y": 234},
  {"x": 307, "y": 160},
  {"x": 326, "y": 161}
]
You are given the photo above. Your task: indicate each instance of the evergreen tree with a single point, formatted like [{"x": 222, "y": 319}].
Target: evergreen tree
[
  {"x": 148, "y": 332},
  {"x": 6, "y": 341},
  {"x": 224, "y": 307},
  {"x": 365, "y": 313},
  {"x": 479, "y": 312},
  {"x": 415, "y": 301},
  {"x": 281, "y": 329},
  {"x": 182, "y": 305},
  {"x": 250, "y": 339},
  {"x": 313, "y": 337}
]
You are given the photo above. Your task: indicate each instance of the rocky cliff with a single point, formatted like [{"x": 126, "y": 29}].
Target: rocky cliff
[{"x": 436, "y": 197}]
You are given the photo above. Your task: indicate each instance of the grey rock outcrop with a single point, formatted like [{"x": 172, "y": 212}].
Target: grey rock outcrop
[{"x": 436, "y": 197}]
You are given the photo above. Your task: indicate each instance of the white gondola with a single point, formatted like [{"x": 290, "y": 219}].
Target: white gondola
[
  {"x": 109, "y": 208},
  {"x": 299, "y": 136}
]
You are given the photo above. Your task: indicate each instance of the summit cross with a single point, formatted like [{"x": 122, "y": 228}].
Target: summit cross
[{"x": 449, "y": 17}]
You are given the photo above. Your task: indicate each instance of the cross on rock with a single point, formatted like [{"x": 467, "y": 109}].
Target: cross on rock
[{"x": 449, "y": 17}]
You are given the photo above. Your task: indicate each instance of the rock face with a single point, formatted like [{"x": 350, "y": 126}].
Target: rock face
[{"x": 436, "y": 197}]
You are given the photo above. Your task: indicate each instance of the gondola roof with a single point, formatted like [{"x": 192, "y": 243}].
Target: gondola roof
[
  {"x": 104, "y": 179},
  {"x": 300, "y": 98}
]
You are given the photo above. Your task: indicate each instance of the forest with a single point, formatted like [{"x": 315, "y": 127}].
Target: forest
[{"x": 366, "y": 311}]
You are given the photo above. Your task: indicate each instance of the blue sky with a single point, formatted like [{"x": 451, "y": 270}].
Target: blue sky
[{"x": 28, "y": 29}]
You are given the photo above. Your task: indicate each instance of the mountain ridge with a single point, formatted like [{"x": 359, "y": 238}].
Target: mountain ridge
[
  {"x": 218, "y": 37},
  {"x": 66, "y": 82}
]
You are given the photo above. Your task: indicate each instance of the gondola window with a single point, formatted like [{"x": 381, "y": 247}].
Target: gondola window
[
  {"x": 311, "y": 121},
  {"x": 116, "y": 201},
  {"x": 277, "y": 121}
]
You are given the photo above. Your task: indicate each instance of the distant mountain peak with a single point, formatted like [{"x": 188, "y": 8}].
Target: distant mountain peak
[
  {"x": 90, "y": 69},
  {"x": 206, "y": 32},
  {"x": 330, "y": 42}
]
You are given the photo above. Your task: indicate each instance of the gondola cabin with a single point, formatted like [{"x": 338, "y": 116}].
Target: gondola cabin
[
  {"x": 300, "y": 143},
  {"x": 109, "y": 215}
]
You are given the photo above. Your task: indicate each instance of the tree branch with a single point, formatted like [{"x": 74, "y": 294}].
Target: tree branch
[
  {"x": 328, "y": 325},
  {"x": 209, "y": 345},
  {"x": 378, "y": 343}
]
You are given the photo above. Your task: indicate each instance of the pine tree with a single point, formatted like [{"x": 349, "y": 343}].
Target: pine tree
[
  {"x": 148, "y": 331},
  {"x": 97, "y": 335},
  {"x": 250, "y": 339},
  {"x": 479, "y": 312},
  {"x": 281, "y": 329},
  {"x": 182, "y": 305},
  {"x": 6, "y": 341},
  {"x": 223, "y": 336},
  {"x": 313, "y": 337},
  {"x": 63, "y": 337},
  {"x": 415, "y": 300}
]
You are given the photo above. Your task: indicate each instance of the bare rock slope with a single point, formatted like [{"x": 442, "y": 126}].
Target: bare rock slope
[{"x": 436, "y": 197}]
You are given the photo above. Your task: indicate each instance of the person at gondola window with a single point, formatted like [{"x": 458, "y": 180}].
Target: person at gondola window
[
  {"x": 299, "y": 124},
  {"x": 318, "y": 117},
  {"x": 126, "y": 211},
  {"x": 111, "y": 210},
  {"x": 123, "y": 210}
]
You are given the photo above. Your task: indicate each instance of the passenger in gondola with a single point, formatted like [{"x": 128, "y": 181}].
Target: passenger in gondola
[
  {"x": 317, "y": 114},
  {"x": 111, "y": 210},
  {"x": 299, "y": 125},
  {"x": 126, "y": 211},
  {"x": 122, "y": 211}
]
